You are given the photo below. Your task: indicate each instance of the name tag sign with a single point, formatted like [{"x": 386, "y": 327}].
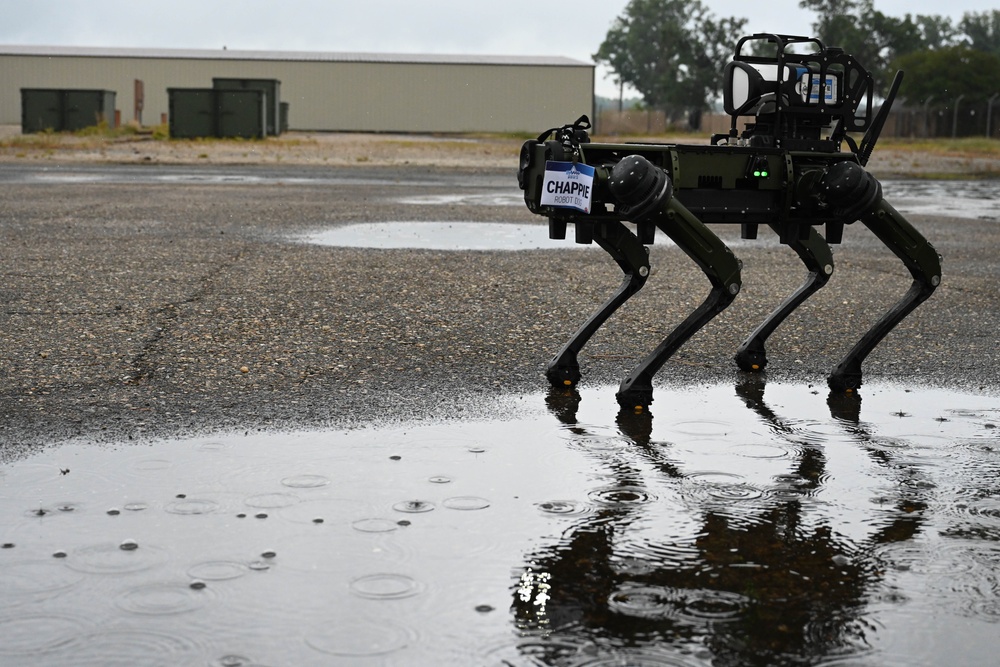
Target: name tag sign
[
  {"x": 568, "y": 185},
  {"x": 808, "y": 88}
]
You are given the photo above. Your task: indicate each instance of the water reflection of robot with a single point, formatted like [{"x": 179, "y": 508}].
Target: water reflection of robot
[
  {"x": 764, "y": 584},
  {"x": 785, "y": 170}
]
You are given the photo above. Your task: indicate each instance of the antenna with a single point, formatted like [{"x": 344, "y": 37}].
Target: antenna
[{"x": 871, "y": 136}]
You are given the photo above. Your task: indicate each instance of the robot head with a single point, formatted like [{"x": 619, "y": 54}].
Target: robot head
[{"x": 798, "y": 91}]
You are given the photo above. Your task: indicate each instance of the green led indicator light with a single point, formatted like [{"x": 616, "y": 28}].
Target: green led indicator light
[{"x": 759, "y": 167}]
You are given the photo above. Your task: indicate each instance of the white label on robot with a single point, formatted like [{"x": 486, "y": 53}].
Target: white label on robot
[
  {"x": 810, "y": 83},
  {"x": 568, "y": 185}
]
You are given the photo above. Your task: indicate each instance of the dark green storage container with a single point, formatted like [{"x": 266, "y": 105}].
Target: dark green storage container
[
  {"x": 192, "y": 112},
  {"x": 209, "y": 112},
  {"x": 270, "y": 87},
  {"x": 41, "y": 110},
  {"x": 65, "y": 109},
  {"x": 242, "y": 113}
]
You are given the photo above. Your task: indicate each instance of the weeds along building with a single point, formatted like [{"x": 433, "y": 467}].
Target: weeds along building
[{"x": 357, "y": 92}]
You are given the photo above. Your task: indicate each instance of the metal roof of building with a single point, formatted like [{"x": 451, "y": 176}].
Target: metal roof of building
[{"x": 313, "y": 56}]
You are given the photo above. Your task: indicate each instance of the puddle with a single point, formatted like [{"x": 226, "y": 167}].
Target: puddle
[
  {"x": 961, "y": 199},
  {"x": 964, "y": 199},
  {"x": 451, "y": 236},
  {"x": 727, "y": 525},
  {"x": 442, "y": 236},
  {"x": 477, "y": 199},
  {"x": 200, "y": 175}
]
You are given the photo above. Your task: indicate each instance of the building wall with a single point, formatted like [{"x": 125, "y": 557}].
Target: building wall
[{"x": 344, "y": 95}]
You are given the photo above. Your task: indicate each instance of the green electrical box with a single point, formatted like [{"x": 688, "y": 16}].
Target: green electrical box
[
  {"x": 192, "y": 112},
  {"x": 270, "y": 87},
  {"x": 210, "y": 112},
  {"x": 64, "y": 109},
  {"x": 242, "y": 113}
]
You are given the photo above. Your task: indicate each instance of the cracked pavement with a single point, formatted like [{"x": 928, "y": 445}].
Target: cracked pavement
[{"x": 142, "y": 307}]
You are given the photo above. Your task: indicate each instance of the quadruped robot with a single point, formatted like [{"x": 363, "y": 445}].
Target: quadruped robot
[{"x": 785, "y": 170}]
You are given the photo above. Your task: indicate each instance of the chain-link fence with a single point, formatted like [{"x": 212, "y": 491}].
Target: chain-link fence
[{"x": 958, "y": 117}]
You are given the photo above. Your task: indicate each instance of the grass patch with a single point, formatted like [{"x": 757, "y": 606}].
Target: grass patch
[
  {"x": 86, "y": 138},
  {"x": 960, "y": 147},
  {"x": 102, "y": 129},
  {"x": 219, "y": 141},
  {"x": 294, "y": 141},
  {"x": 101, "y": 135},
  {"x": 46, "y": 141},
  {"x": 986, "y": 175},
  {"x": 160, "y": 132}
]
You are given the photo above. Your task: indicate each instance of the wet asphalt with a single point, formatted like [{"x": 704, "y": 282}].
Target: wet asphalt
[{"x": 138, "y": 304}]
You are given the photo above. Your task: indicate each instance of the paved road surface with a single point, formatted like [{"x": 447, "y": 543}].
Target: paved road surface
[{"x": 145, "y": 301}]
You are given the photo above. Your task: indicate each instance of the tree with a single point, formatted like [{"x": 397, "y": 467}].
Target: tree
[
  {"x": 875, "y": 39},
  {"x": 949, "y": 72},
  {"x": 672, "y": 52},
  {"x": 982, "y": 30},
  {"x": 858, "y": 28},
  {"x": 937, "y": 32}
]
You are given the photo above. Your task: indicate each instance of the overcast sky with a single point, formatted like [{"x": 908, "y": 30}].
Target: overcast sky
[{"x": 497, "y": 27}]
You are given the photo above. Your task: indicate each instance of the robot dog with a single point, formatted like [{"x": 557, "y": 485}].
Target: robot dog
[{"x": 785, "y": 170}]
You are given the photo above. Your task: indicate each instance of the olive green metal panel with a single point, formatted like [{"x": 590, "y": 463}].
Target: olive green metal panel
[
  {"x": 713, "y": 167},
  {"x": 86, "y": 108},
  {"x": 241, "y": 113},
  {"x": 191, "y": 112},
  {"x": 41, "y": 110},
  {"x": 61, "y": 109},
  {"x": 209, "y": 112},
  {"x": 270, "y": 87}
]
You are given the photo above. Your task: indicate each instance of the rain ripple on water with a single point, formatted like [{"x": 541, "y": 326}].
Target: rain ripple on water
[
  {"x": 31, "y": 581},
  {"x": 621, "y": 496},
  {"x": 111, "y": 558},
  {"x": 467, "y": 503},
  {"x": 911, "y": 522},
  {"x": 385, "y": 586},
  {"x": 354, "y": 639},
  {"x": 27, "y": 636},
  {"x": 217, "y": 570},
  {"x": 126, "y": 646},
  {"x": 305, "y": 481},
  {"x": 276, "y": 500},
  {"x": 569, "y": 508},
  {"x": 686, "y": 604},
  {"x": 375, "y": 525},
  {"x": 413, "y": 506},
  {"x": 162, "y": 599},
  {"x": 191, "y": 506}
]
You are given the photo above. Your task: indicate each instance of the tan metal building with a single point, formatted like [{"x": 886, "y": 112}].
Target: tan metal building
[{"x": 325, "y": 91}]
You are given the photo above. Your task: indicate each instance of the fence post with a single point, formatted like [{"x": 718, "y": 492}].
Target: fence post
[
  {"x": 927, "y": 125},
  {"x": 954, "y": 117},
  {"x": 989, "y": 113}
]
